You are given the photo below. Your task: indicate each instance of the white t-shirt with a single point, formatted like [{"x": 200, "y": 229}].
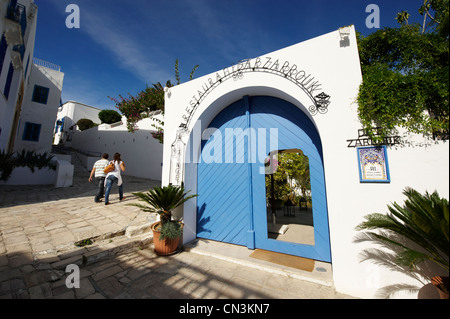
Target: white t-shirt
[
  {"x": 116, "y": 173},
  {"x": 99, "y": 167}
]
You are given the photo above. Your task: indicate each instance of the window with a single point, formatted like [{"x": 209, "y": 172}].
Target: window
[
  {"x": 31, "y": 132},
  {"x": 3, "y": 48},
  {"x": 40, "y": 94},
  {"x": 26, "y": 68},
  {"x": 8, "y": 81},
  {"x": 288, "y": 197}
]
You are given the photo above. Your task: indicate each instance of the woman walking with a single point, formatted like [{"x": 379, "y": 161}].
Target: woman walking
[{"x": 115, "y": 176}]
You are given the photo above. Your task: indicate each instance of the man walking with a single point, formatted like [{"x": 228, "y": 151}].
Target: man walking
[{"x": 100, "y": 175}]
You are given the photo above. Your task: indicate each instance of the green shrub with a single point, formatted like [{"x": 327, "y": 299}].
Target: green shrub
[
  {"x": 170, "y": 230},
  {"x": 85, "y": 124},
  {"x": 23, "y": 159},
  {"x": 109, "y": 116},
  {"x": 6, "y": 165}
]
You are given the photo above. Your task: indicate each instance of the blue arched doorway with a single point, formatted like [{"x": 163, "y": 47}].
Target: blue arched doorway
[{"x": 231, "y": 203}]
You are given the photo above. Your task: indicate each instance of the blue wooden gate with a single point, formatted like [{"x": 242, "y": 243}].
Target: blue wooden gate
[{"x": 231, "y": 186}]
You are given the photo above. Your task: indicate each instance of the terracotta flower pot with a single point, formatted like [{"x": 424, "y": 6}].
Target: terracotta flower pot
[
  {"x": 166, "y": 246},
  {"x": 441, "y": 283}
]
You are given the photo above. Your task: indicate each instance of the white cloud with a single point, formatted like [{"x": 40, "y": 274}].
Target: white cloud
[
  {"x": 101, "y": 23},
  {"x": 129, "y": 52}
]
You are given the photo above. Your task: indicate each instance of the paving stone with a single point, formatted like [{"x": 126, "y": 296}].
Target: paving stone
[
  {"x": 95, "y": 296},
  {"x": 63, "y": 294},
  {"x": 107, "y": 273},
  {"x": 16, "y": 261},
  {"x": 41, "y": 291},
  {"x": 3, "y": 260},
  {"x": 62, "y": 264},
  {"x": 37, "y": 243},
  {"x": 95, "y": 255},
  {"x": 86, "y": 289},
  {"x": 16, "y": 240},
  {"x": 110, "y": 286},
  {"x": 19, "y": 249},
  {"x": 54, "y": 225}
]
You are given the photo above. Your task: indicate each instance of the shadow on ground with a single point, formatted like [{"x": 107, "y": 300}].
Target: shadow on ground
[{"x": 121, "y": 272}]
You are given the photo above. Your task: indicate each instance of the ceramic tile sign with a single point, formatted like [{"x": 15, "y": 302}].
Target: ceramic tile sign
[{"x": 373, "y": 164}]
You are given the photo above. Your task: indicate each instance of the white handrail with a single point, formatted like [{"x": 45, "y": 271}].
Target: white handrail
[{"x": 46, "y": 64}]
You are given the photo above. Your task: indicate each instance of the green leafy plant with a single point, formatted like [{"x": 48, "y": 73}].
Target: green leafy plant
[
  {"x": 85, "y": 124},
  {"x": 24, "y": 158},
  {"x": 44, "y": 160},
  {"x": 6, "y": 165},
  {"x": 170, "y": 231},
  {"x": 151, "y": 99},
  {"x": 423, "y": 221},
  {"x": 109, "y": 116},
  {"x": 163, "y": 200},
  {"x": 84, "y": 242},
  {"x": 32, "y": 160},
  {"x": 406, "y": 75}
]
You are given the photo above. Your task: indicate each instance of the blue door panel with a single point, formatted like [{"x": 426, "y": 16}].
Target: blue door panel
[
  {"x": 232, "y": 197},
  {"x": 295, "y": 131},
  {"x": 223, "y": 187}
]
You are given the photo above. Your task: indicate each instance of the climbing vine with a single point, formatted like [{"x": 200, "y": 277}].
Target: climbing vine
[{"x": 406, "y": 75}]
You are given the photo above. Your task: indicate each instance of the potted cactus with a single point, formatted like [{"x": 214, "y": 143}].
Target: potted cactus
[{"x": 163, "y": 200}]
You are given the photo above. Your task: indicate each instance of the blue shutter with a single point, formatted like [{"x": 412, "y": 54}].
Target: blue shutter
[
  {"x": 3, "y": 48},
  {"x": 40, "y": 94},
  {"x": 8, "y": 81},
  {"x": 31, "y": 132}
]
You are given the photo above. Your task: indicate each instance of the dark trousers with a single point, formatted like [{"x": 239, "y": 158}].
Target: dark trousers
[{"x": 101, "y": 188}]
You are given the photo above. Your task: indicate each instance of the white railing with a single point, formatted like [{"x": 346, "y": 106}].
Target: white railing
[{"x": 46, "y": 64}]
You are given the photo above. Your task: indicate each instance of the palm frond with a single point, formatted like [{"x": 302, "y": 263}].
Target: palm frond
[
  {"x": 163, "y": 200},
  {"x": 422, "y": 220}
]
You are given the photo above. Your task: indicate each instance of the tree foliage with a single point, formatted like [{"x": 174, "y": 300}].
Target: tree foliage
[
  {"x": 85, "y": 124},
  {"x": 109, "y": 116},
  {"x": 406, "y": 74},
  {"x": 151, "y": 99},
  {"x": 292, "y": 171}
]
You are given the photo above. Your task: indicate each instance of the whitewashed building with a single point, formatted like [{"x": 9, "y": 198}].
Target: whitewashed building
[
  {"x": 30, "y": 95},
  {"x": 39, "y": 107},
  {"x": 140, "y": 151},
  {"x": 221, "y": 129},
  {"x": 31, "y": 88},
  {"x": 67, "y": 117},
  {"x": 18, "y": 30}
]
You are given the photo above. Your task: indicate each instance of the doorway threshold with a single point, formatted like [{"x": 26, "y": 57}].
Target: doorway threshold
[{"x": 321, "y": 272}]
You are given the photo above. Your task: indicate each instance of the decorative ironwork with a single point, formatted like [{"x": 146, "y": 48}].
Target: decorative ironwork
[
  {"x": 176, "y": 175},
  {"x": 365, "y": 140},
  {"x": 321, "y": 104},
  {"x": 286, "y": 70}
]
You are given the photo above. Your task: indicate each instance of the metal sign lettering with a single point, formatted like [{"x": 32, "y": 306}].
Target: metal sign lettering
[
  {"x": 284, "y": 69},
  {"x": 364, "y": 139}
]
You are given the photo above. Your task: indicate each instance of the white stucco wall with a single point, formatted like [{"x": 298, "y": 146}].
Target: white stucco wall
[
  {"x": 38, "y": 113},
  {"x": 141, "y": 153},
  {"x": 8, "y": 106},
  {"x": 72, "y": 112},
  {"x": 335, "y": 64}
]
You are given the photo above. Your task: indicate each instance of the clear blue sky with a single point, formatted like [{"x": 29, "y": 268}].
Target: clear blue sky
[{"x": 123, "y": 45}]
